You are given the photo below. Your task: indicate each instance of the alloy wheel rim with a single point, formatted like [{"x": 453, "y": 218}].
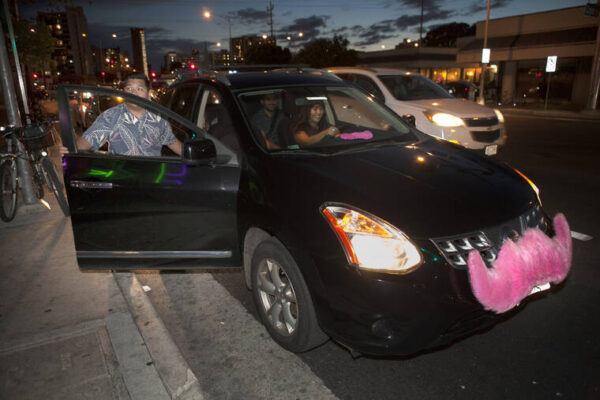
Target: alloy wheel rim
[{"x": 277, "y": 297}]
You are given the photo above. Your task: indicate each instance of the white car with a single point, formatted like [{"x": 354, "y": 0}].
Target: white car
[{"x": 436, "y": 112}]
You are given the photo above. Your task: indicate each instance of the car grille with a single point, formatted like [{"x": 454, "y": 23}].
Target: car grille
[
  {"x": 486, "y": 136},
  {"x": 486, "y": 121},
  {"x": 487, "y": 242}
]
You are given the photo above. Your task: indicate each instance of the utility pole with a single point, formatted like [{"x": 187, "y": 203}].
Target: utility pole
[
  {"x": 481, "y": 99},
  {"x": 270, "y": 11},
  {"x": 595, "y": 82},
  {"x": 421, "y": 26}
]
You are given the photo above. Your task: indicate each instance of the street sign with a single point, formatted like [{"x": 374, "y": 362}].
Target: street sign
[
  {"x": 551, "y": 64},
  {"x": 485, "y": 56}
]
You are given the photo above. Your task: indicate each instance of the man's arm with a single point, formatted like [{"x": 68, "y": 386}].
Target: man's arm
[
  {"x": 176, "y": 147},
  {"x": 82, "y": 144}
]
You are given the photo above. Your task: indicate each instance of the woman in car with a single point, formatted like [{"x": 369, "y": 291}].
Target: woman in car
[{"x": 309, "y": 127}]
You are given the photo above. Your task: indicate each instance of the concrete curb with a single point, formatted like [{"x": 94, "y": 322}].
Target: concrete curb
[{"x": 177, "y": 377}]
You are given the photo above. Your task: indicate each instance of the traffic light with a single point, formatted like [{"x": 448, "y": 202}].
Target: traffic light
[
  {"x": 153, "y": 74},
  {"x": 192, "y": 66},
  {"x": 35, "y": 76}
]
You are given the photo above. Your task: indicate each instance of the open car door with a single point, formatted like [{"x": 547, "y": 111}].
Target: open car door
[{"x": 131, "y": 212}]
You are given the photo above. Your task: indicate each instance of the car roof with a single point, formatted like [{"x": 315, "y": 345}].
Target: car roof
[
  {"x": 377, "y": 71},
  {"x": 247, "y": 80}
]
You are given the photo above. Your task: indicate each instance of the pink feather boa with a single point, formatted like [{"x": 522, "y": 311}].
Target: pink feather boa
[{"x": 533, "y": 260}]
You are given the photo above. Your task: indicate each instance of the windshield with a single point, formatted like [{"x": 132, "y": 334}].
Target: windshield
[
  {"x": 321, "y": 119},
  {"x": 413, "y": 87}
]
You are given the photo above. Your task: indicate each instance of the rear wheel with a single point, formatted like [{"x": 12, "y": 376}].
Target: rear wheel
[
  {"x": 283, "y": 300},
  {"x": 37, "y": 178},
  {"x": 8, "y": 185},
  {"x": 54, "y": 184}
]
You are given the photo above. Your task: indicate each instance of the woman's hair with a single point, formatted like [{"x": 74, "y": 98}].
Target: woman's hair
[{"x": 301, "y": 117}]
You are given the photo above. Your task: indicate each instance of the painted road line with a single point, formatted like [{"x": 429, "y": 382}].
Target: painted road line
[{"x": 580, "y": 236}]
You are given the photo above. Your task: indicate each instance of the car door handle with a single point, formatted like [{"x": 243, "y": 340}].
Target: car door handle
[{"x": 91, "y": 185}]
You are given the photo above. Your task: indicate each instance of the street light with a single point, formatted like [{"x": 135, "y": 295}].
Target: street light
[{"x": 208, "y": 15}]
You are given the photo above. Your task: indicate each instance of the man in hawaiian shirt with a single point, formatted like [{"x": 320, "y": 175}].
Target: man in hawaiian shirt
[{"x": 129, "y": 129}]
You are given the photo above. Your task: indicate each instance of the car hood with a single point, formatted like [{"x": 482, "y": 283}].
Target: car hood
[
  {"x": 430, "y": 189},
  {"x": 459, "y": 107}
]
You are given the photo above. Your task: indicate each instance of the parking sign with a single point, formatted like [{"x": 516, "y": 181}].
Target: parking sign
[{"x": 551, "y": 64}]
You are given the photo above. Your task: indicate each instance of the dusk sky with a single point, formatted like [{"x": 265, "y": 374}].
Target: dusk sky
[{"x": 178, "y": 25}]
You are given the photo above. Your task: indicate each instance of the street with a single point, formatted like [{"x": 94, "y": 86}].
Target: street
[{"x": 547, "y": 349}]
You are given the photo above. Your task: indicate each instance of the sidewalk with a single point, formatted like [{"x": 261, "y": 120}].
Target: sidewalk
[{"x": 68, "y": 334}]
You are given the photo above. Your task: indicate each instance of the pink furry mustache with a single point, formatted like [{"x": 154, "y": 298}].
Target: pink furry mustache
[{"x": 533, "y": 260}]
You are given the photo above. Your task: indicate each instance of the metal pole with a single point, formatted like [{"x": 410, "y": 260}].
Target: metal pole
[
  {"x": 547, "y": 90},
  {"x": 11, "y": 35},
  {"x": 14, "y": 118},
  {"x": 230, "y": 43},
  {"x": 481, "y": 99},
  {"x": 595, "y": 82}
]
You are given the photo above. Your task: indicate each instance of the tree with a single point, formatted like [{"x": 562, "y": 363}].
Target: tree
[
  {"x": 327, "y": 53},
  {"x": 446, "y": 35},
  {"x": 267, "y": 53},
  {"x": 34, "y": 43}
]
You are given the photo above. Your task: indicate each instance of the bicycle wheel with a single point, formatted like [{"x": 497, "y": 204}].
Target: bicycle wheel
[
  {"x": 37, "y": 178},
  {"x": 55, "y": 184},
  {"x": 8, "y": 185}
]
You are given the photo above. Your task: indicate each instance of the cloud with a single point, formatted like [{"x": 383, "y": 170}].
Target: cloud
[
  {"x": 310, "y": 27},
  {"x": 249, "y": 16},
  {"x": 375, "y": 33},
  {"x": 427, "y": 4},
  {"x": 478, "y": 6},
  {"x": 407, "y": 21}
]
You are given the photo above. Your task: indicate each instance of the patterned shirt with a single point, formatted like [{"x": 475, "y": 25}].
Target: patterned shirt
[{"x": 128, "y": 135}]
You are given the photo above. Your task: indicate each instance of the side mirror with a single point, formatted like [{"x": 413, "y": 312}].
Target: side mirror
[
  {"x": 409, "y": 119},
  {"x": 197, "y": 151}
]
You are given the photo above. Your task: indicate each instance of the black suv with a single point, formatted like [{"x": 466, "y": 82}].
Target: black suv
[{"x": 363, "y": 236}]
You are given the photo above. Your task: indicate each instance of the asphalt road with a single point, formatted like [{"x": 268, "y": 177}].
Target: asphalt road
[{"x": 548, "y": 349}]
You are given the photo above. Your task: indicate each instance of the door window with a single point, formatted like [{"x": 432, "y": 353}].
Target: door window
[
  {"x": 183, "y": 99},
  {"x": 369, "y": 85}
]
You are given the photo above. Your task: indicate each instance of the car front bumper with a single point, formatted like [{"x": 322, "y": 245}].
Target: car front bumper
[{"x": 383, "y": 314}]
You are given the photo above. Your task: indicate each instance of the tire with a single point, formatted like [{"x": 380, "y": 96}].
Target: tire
[
  {"x": 55, "y": 185},
  {"x": 8, "y": 197},
  {"x": 283, "y": 300},
  {"x": 37, "y": 178}
]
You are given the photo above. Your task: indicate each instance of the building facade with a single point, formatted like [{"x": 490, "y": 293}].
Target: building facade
[
  {"x": 72, "y": 53},
  {"x": 240, "y": 45},
  {"x": 520, "y": 46},
  {"x": 138, "y": 46}
]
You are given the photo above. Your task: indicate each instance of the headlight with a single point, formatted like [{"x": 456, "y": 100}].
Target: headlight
[
  {"x": 443, "y": 119},
  {"x": 370, "y": 243},
  {"x": 499, "y": 115},
  {"x": 533, "y": 185}
]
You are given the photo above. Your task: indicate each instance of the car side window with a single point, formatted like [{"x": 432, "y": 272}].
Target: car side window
[
  {"x": 369, "y": 85},
  {"x": 165, "y": 99},
  {"x": 214, "y": 116},
  {"x": 183, "y": 99},
  {"x": 111, "y": 124}
]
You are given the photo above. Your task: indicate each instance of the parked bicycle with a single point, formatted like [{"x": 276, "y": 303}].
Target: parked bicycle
[{"x": 36, "y": 138}]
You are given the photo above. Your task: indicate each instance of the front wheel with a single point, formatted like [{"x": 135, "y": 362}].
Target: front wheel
[
  {"x": 54, "y": 184},
  {"x": 283, "y": 300},
  {"x": 8, "y": 185}
]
